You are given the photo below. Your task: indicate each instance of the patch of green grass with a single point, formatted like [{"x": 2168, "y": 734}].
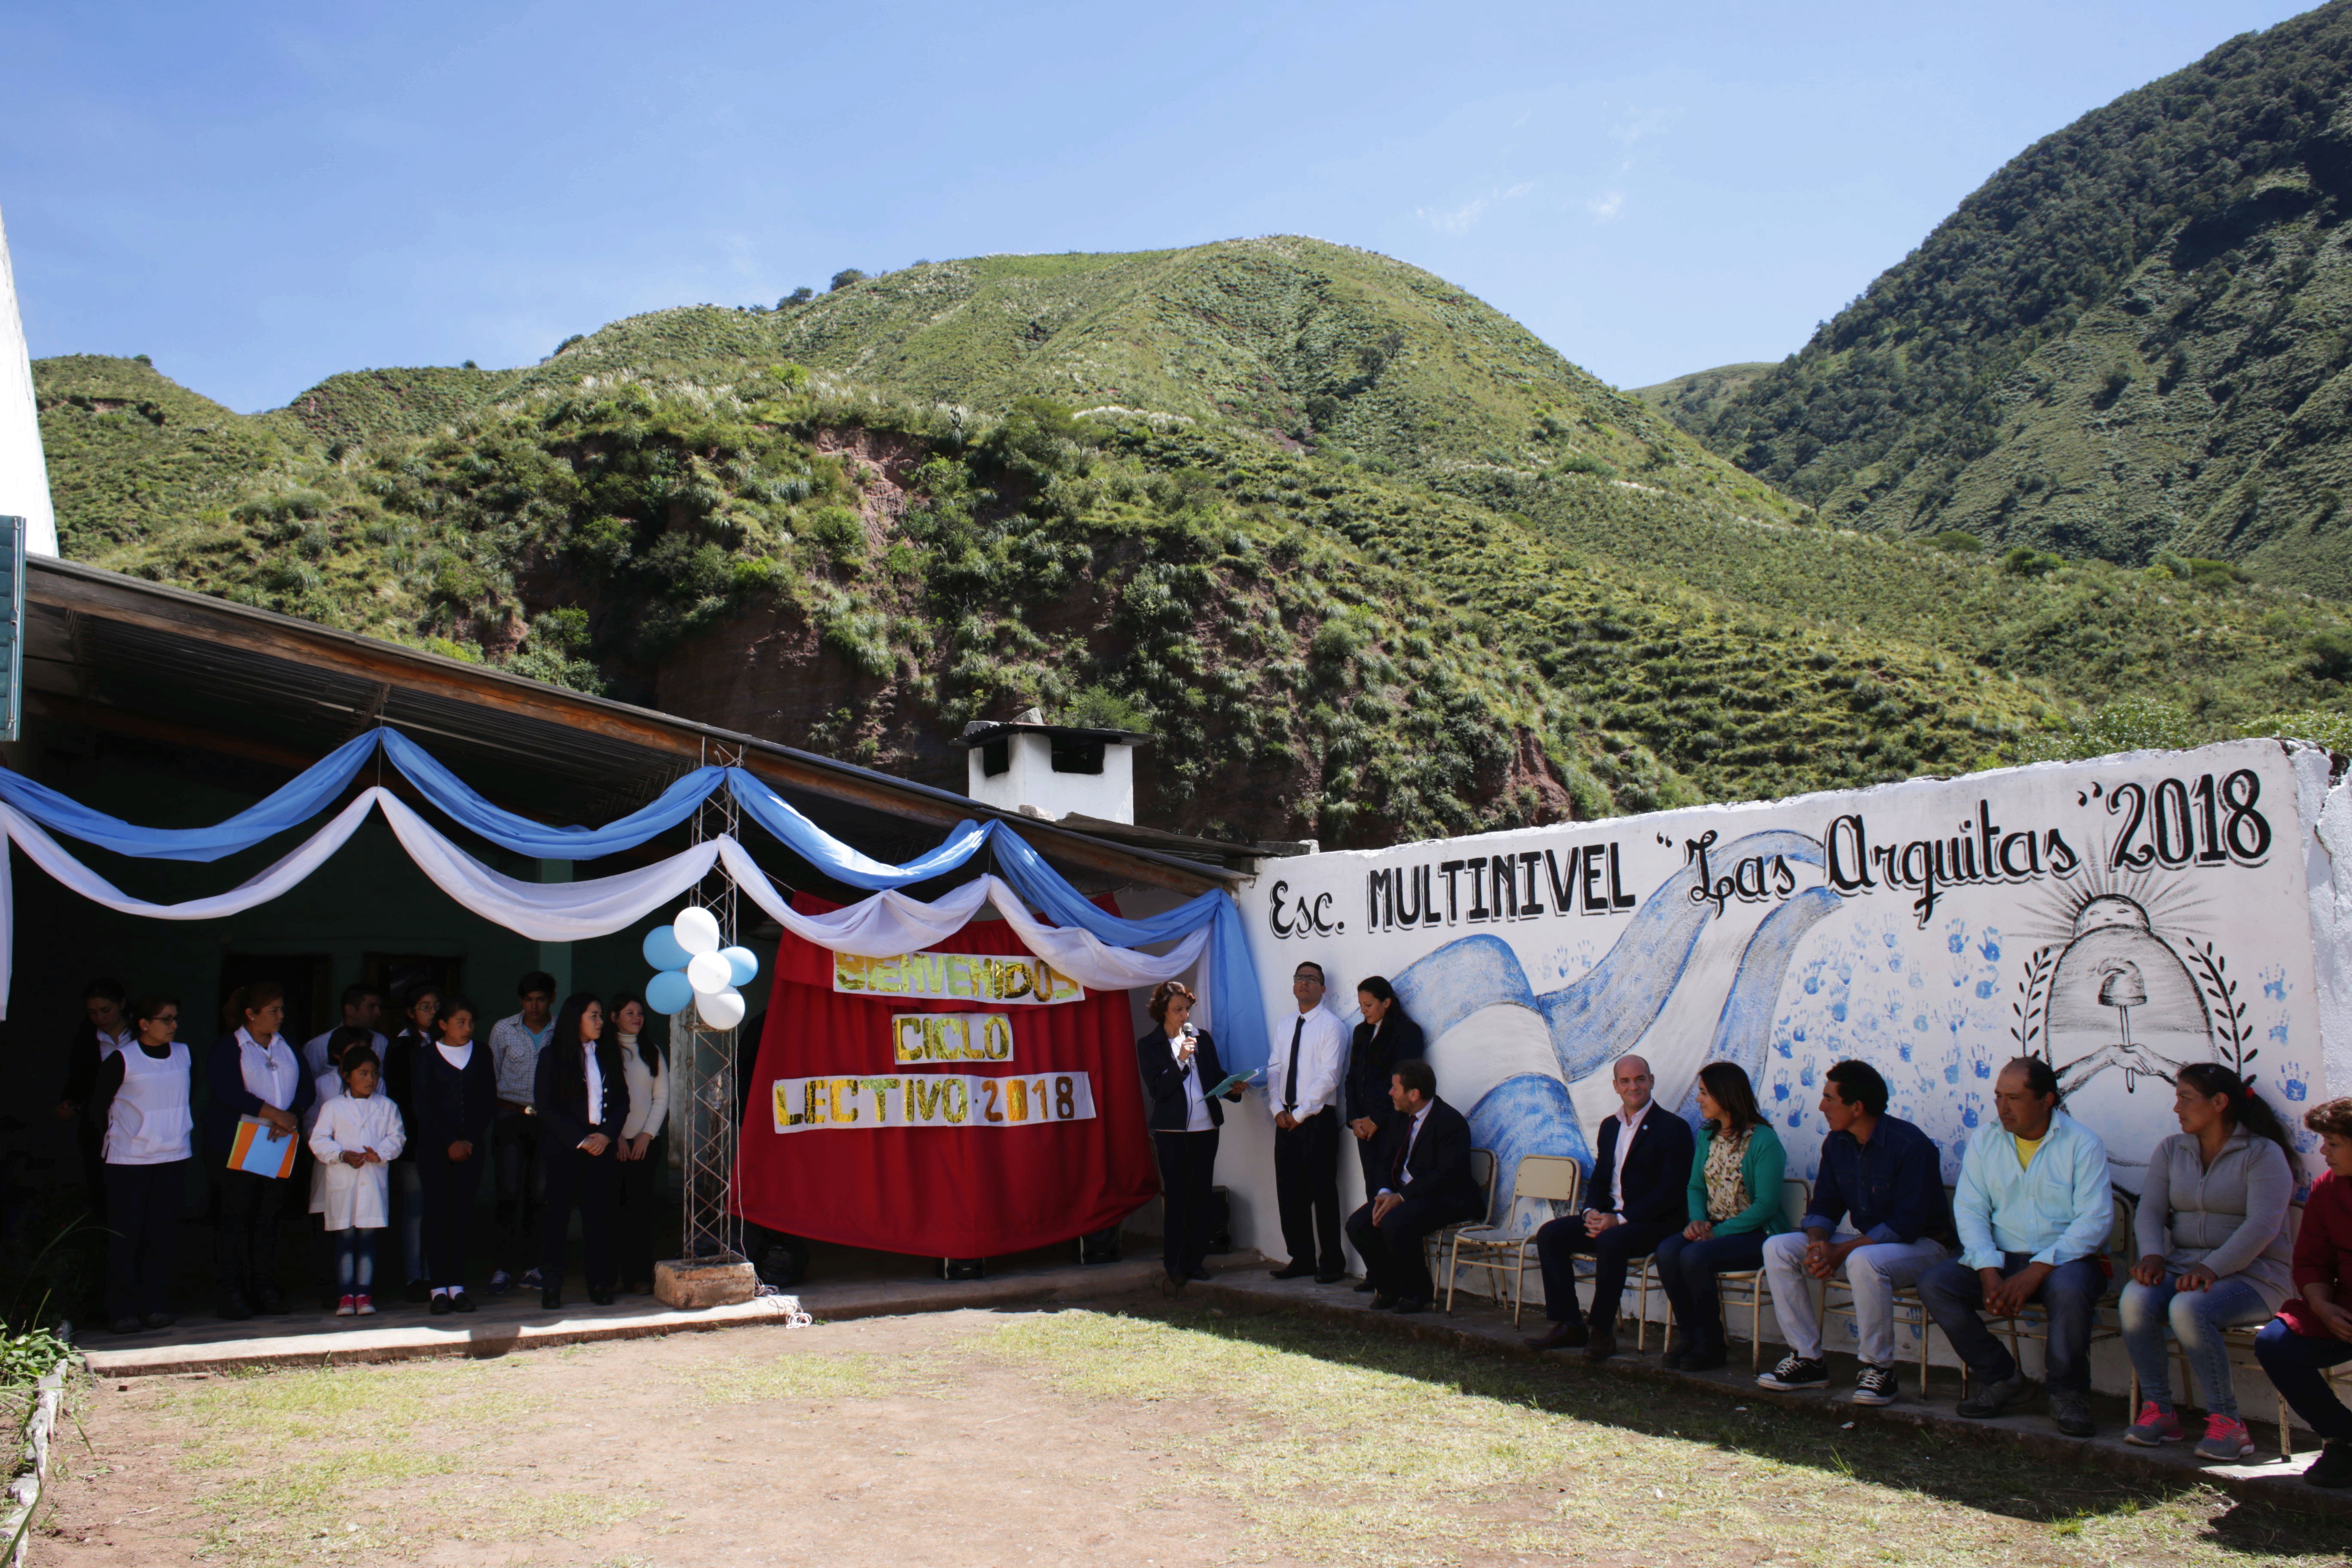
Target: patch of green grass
[{"x": 1349, "y": 1447}]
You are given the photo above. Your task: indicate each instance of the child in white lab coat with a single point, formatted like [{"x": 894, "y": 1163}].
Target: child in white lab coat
[{"x": 358, "y": 1131}]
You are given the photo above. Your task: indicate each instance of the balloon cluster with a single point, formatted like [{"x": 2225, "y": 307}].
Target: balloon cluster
[{"x": 695, "y": 970}]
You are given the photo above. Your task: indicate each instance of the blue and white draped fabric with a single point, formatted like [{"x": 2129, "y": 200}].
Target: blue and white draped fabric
[
  {"x": 1092, "y": 946},
  {"x": 293, "y": 804},
  {"x": 838, "y": 860},
  {"x": 537, "y": 840},
  {"x": 1228, "y": 974}
]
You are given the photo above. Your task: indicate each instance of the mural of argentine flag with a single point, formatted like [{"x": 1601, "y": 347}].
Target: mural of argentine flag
[{"x": 2119, "y": 918}]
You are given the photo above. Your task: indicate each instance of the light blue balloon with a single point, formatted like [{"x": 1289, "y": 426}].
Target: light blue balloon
[
  {"x": 744, "y": 961},
  {"x": 663, "y": 952},
  {"x": 668, "y": 991}
]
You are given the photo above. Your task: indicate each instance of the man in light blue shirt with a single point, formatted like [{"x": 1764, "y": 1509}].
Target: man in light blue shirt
[{"x": 2032, "y": 1210}]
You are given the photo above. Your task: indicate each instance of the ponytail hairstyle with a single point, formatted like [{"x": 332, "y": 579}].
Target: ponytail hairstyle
[
  {"x": 2248, "y": 1111},
  {"x": 251, "y": 998}
]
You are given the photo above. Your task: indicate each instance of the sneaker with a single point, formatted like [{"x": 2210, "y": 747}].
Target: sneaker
[
  {"x": 2332, "y": 1467},
  {"x": 364, "y": 1306},
  {"x": 1875, "y": 1386},
  {"x": 531, "y": 1282},
  {"x": 1795, "y": 1373},
  {"x": 2070, "y": 1412},
  {"x": 2226, "y": 1439},
  {"x": 500, "y": 1281},
  {"x": 2155, "y": 1427},
  {"x": 347, "y": 1307}
]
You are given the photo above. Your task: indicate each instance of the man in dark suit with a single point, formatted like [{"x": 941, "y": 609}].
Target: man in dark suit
[
  {"x": 1429, "y": 1185},
  {"x": 1638, "y": 1197}
]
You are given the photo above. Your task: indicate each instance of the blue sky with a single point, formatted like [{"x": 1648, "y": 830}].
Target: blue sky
[{"x": 260, "y": 196}]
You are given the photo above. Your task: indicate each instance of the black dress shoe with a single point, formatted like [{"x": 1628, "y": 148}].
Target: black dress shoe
[
  {"x": 1363, "y": 1287},
  {"x": 599, "y": 1298},
  {"x": 1293, "y": 1271},
  {"x": 235, "y": 1309},
  {"x": 442, "y": 1306},
  {"x": 1706, "y": 1358},
  {"x": 270, "y": 1305},
  {"x": 1199, "y": 1273},
  {"x": 1411, "y": 1304},
  {"x": 460, "y": 1303},
  {"x": 1601, "y": 1345},
  {"x": 162, "y": 1320},
  {"x": 1559, "y": 1337},
  {"x": 551, "y": 1298},
  {"x": 1332, "y": 1278},
  {"x": 126, "y": 1324}
]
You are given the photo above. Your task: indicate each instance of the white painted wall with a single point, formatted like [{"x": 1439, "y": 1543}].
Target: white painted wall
[{"x": 24, "y": 473}]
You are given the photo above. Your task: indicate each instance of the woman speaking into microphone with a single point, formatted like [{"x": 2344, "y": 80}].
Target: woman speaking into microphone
[{"x": 1180, "y": 1072}]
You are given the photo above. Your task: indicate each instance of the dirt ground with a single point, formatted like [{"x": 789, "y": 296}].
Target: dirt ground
[{"x": 1138, "y": 1432}]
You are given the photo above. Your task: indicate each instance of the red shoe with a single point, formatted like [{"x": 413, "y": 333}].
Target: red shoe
[
  {"x": 366, "y": 1306},
  {"x": 2155, "y": 1427},
  {"x": 347, "y": 1307}
]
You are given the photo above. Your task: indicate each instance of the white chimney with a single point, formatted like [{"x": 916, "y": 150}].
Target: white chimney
[{"x": 1052, "y": 771}]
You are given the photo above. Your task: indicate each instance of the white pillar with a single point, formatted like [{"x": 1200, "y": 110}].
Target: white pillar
[{"x": 24, "y": 473}]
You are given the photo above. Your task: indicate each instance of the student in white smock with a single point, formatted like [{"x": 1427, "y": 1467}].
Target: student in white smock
[
  {"x": 358, "y": 1134},
  {"x": 142, "y": 1099}
]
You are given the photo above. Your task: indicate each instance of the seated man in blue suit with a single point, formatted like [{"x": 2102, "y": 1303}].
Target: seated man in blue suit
[
  {"x": 1638, "y": 1197},
  {"x": 1429, "y": 1186}
]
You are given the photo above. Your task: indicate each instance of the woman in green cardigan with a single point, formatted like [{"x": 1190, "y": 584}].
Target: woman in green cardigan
[{"x": 1735, "y": 1204}]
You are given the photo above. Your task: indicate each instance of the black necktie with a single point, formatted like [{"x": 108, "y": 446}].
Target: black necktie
[{"x": 1290, "y": 1080}]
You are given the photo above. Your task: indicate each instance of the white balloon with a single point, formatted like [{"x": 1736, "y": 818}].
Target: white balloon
[
  {"x": 722, "y": 1010},
  {"x": 697, "y": 931},
  {"x": 710, "y": 975}
]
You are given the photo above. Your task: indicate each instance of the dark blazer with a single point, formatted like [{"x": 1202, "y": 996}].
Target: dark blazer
[
  {"x": 1372, "y": 1060},
  {"x": 560, "y": 1097},
  {"x": 450, "y": 1105},
  {"x": 1440, "y": 1162},
  {"x": 400, "y": 1068},
  {"x": 228, "y": 1098},
  {"x": 1658, "y": 1169},
  {"x": 1163, "y": 1081}
]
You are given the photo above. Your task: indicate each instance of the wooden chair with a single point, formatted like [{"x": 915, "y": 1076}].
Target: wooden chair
[
  {"x": 1837, "y": 1301},
  {"x": 1553, "y": 1178},
  {"x": 1481, "y": 1171}
]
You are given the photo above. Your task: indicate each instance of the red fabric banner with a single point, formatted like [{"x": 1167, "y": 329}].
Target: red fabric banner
[{"x": 1018, "y": 1167}]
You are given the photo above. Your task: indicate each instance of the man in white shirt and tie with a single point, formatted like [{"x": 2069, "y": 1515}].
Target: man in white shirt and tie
[{"x": 1303, "y": 1090}]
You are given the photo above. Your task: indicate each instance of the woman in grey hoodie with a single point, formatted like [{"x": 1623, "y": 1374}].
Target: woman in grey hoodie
[{"x": 2213, "y": 1251}]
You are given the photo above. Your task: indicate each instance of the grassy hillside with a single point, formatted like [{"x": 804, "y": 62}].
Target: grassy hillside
[
  {"x": 2133, "y": 342},
  {"x": 1692, "y": 401},
  {"x": 1356, "y": 640}
]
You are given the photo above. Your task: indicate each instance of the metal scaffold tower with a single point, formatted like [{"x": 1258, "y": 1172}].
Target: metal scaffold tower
[{"x": 704, "y": 1060}]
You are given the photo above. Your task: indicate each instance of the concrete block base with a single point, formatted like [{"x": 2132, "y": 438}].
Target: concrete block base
[{"x": 691, "y": 1287}]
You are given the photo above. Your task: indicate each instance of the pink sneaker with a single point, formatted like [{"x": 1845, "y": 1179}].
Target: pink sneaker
[
  {"x": 2155, "y": 1427},
  {"x": 366, "y": 1304},
  {"x": 347, "y": 1307},
  {"x": 2226, "y": 1439}
]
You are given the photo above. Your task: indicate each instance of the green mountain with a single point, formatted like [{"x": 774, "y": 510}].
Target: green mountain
[
  {"x": 2134, "y": 341},
  {"x": 1369, "y": 560},
  {"x": 1692, "y": 401}
]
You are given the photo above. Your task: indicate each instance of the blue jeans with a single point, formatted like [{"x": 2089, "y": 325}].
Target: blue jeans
[
  {"x": 1688, "y": 1270},
  {"x": 2197, "y": 1317},
  {"x": 354, "y": 1262},
  {"x": 2298, "y": 1364},
  {"x": 2070, "y": 1297}
]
